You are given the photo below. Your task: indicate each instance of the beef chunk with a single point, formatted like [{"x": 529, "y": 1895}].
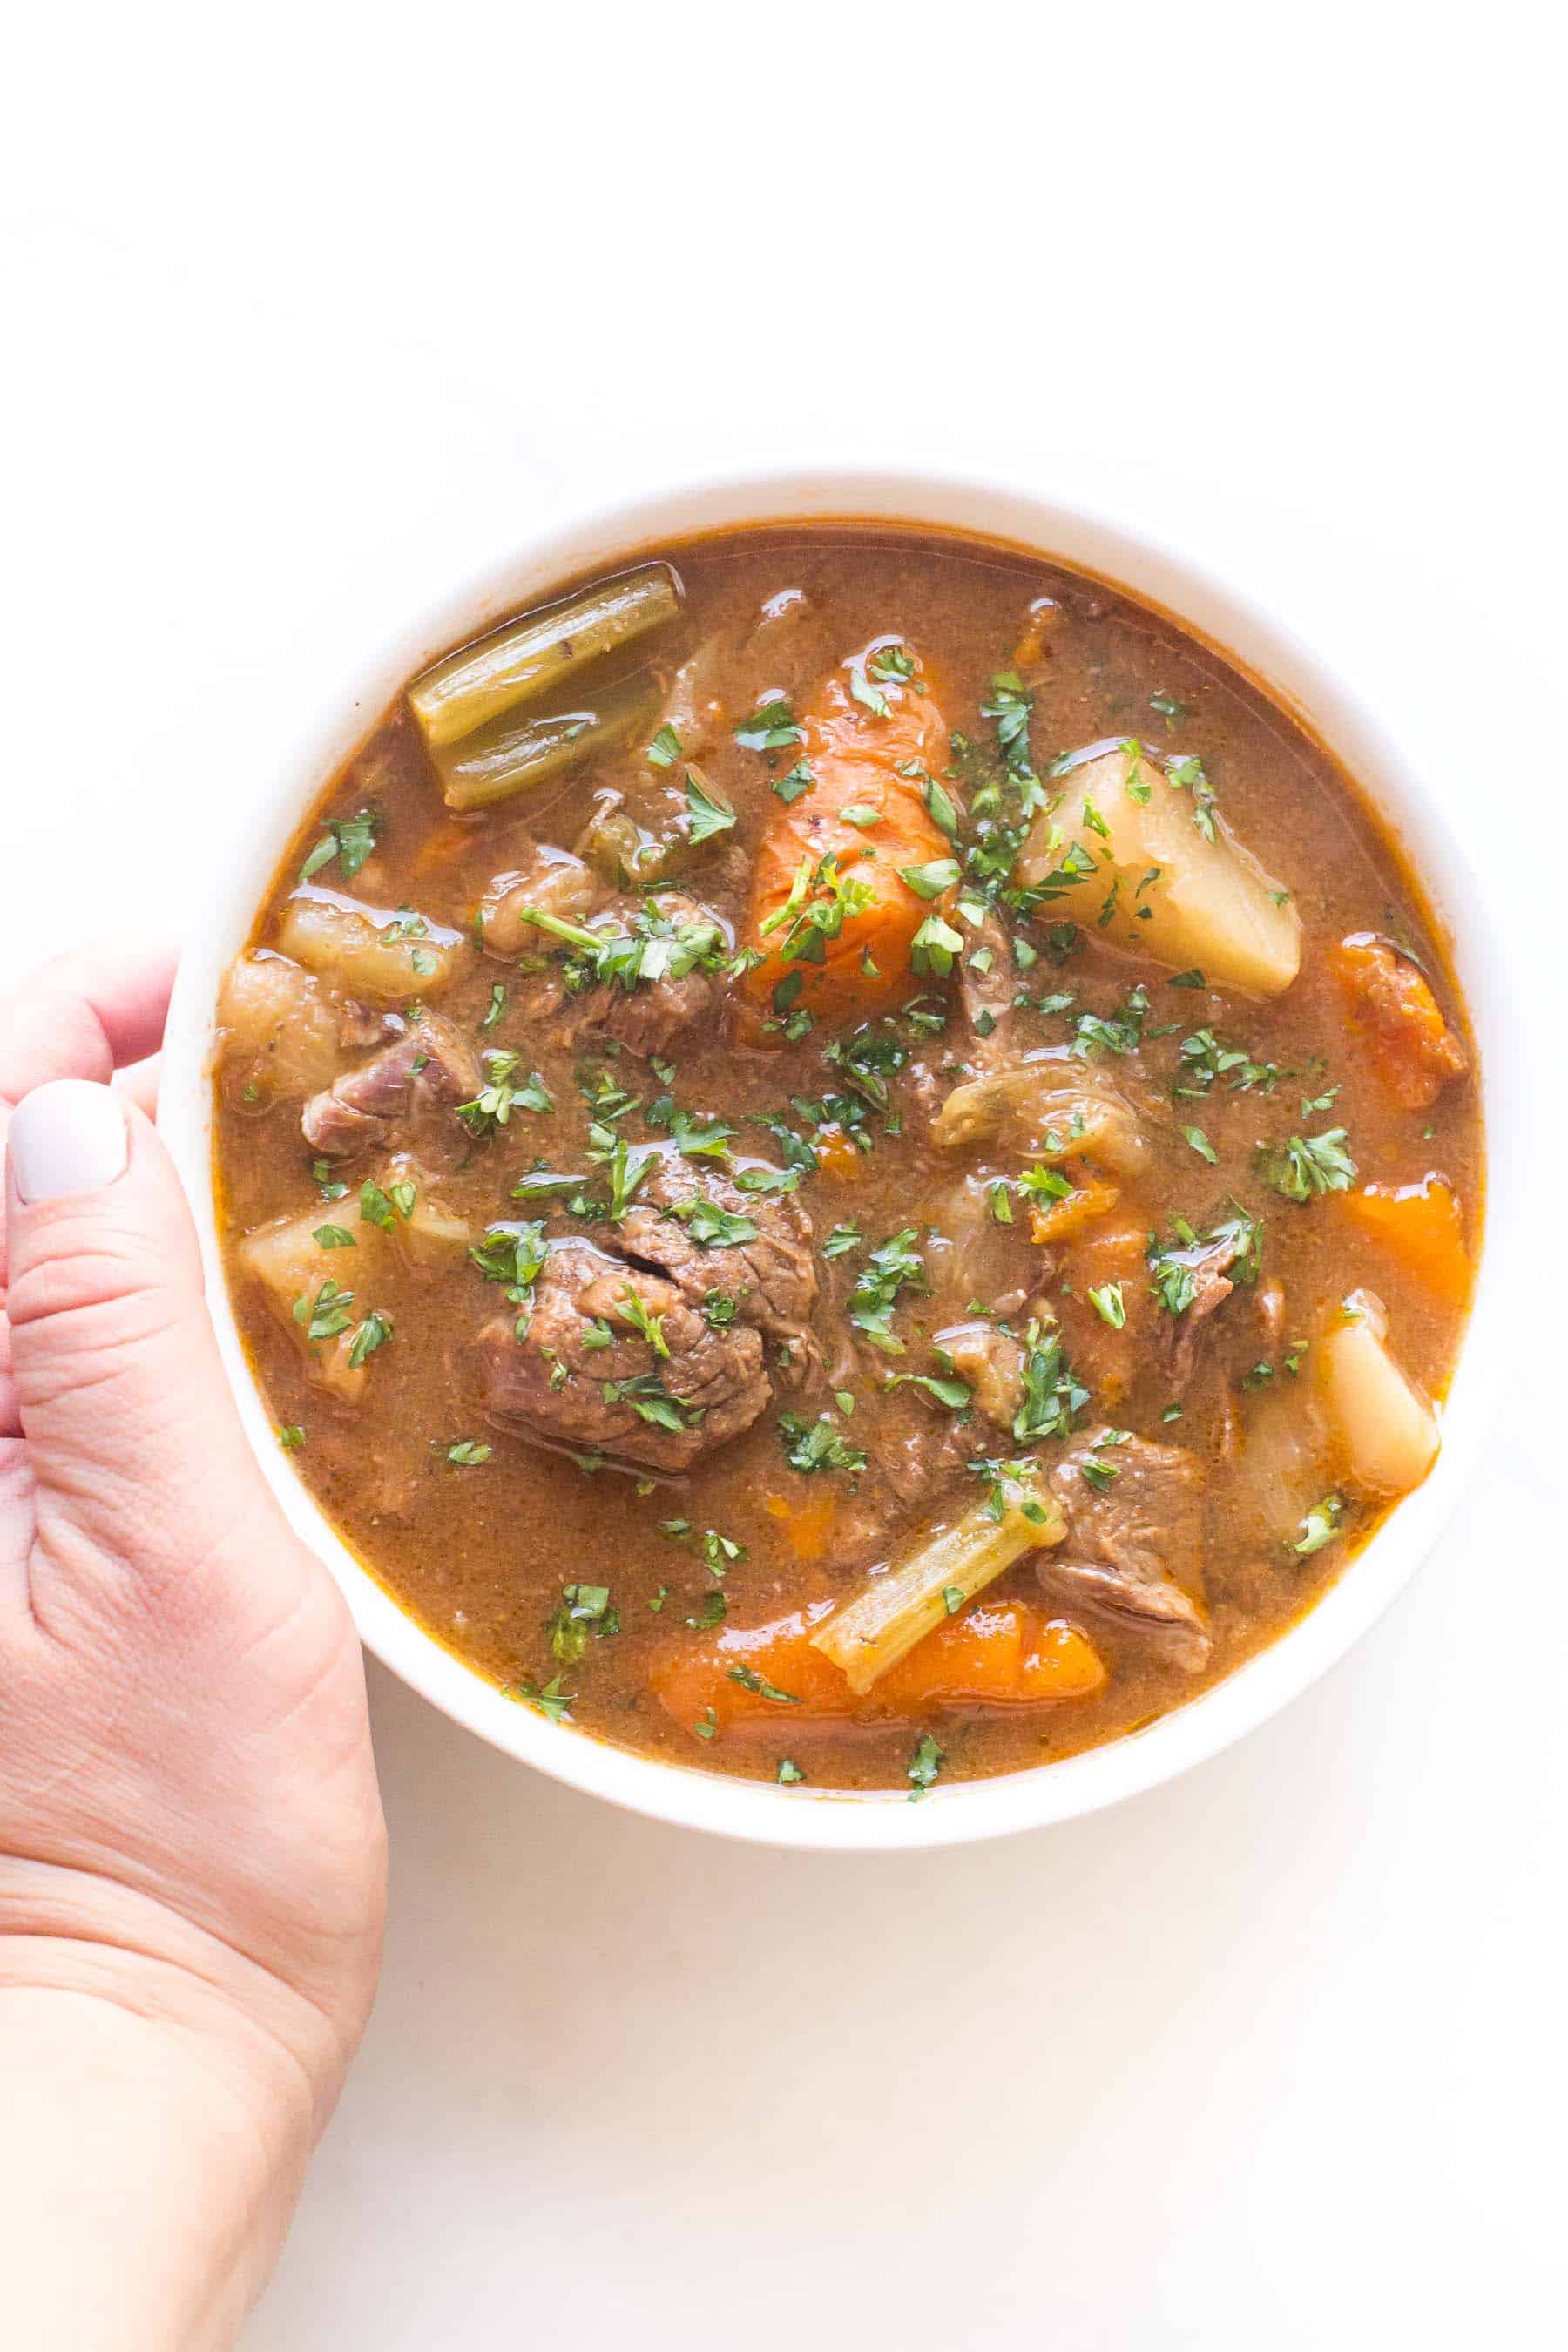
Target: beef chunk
[
  {"x": 587, "y": 1374},
  {"x": 431, "y": 1067},
  {"x": 648, "y": 1020},
  {"x": 1184, "y": 1333},
  {"x": 771, "y": 1275},
  {"x": 648, "y": 1011},
  {"x": 992, "y": 1361},
  {"x": 360, "y": 1026},
  {"x": 648, "y": 1017},
  {"x": 985, "y": 993},
  {"x": 1134, "y": 1541}
]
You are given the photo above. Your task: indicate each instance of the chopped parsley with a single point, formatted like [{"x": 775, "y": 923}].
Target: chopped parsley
[
  {"x": 373, "y": 1333},
  {"x": 816, "y": 1446},
  {"x": 773, "y": 727},
  {"x": 1305, "y": 1167},
  {"x": 1321, "y": 1526},
  {"x": 705, "y": 815},
  {"x": 894, "y": 1266},
  {"x": 551, "y": 1702},
  {"x": 585, "y": 1609},
  {"x": 1053, "y": 1396},
  {"x": 349, "y": 839},
  {"x": 759, "y": 1685},
  {"x": 923, "y": 1766},
  {"x": 712, "y": 1227},
  {"x": 1110, "y": 1305}
]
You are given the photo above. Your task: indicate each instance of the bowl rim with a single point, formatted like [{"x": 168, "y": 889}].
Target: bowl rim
[{"x": 1241, "y": 623}]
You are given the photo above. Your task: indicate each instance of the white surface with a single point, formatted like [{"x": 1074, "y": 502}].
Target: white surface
[{"x": 1274, "y": 2056}]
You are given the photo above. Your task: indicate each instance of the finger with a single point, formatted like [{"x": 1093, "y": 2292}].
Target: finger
[
  {"x": 83, "y": 1017},
  {"x": 139, "y": 1085},
  {"x": 134, "y": 1447}
]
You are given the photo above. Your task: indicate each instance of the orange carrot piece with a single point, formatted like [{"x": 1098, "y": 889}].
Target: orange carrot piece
[
  {"x": 808, "y": 1526},
  {"x": 853, "y": 756},
  {"x": 768, "y": 1678},
  {"x": 1414, "y": 1050},
  {"x": 838, "y": 1157},
  {"x": 1000, "y": 1654},
  {"x": 1092, "y": 1197},
  {"x": 1111, "y": 1253},
  {"x": 697, "y": 1680},
  {"x": 1420, "y": 1226}
]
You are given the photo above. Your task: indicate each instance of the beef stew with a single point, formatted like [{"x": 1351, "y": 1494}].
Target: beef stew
[{"x": 845, "y": 1158}]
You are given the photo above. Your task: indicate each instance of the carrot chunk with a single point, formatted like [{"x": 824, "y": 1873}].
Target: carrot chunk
[
  {"x": 1414, "y": 1050},
  {"x": 768, "y": 1678},
  {"x": 1420, "y": 1226},
  {"x": 830, "y": 913},
  {"x": 1092, "y": 1197},
  {"x": 808, "y": 1526}
]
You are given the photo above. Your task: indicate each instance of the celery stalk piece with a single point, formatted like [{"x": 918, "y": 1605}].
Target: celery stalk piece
[
  {"x": 513, "y": 754},
  {"x": 883, "y": 1623},
  {"x": 532, "y": 656}
]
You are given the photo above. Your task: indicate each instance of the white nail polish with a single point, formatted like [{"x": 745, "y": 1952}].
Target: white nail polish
[{"x": 67, "y": 1137}]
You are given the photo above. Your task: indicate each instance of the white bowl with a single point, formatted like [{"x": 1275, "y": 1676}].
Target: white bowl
[{"x": 1419, "y": 811}]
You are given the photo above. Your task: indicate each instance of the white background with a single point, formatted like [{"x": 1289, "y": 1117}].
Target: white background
[{"x": 308, "y": 309}]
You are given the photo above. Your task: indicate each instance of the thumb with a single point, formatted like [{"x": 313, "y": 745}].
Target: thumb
[{"x": 131, "y": 1438}]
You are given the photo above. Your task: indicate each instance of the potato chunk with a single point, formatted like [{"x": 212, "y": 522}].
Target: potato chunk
[
  {"x": 367, "y": 950},
  {"x": 1385, "y": 1429},
  {"x": 291, "y": 1265},
  {"x": 406, "y": 1226},
  {"x": 278, "y": 1025},
  {"x": 1122, "y": 852}
]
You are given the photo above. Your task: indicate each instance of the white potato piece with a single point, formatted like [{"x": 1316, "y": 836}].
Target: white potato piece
[
  {"x": 291, "y": 1264},
  {"x": 883, "y": 1623},
  {"x": 1211, "y": 905},
  {"x": 278, "y": 1026},
  {"x": 1387, "y": 1430},
  {"x": 1043, "y": 1105},
  {"x": 430, "y": 1233},
  {"x": 369, "y": 950}
]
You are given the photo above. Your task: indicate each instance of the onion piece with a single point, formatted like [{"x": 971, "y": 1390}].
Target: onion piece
[{"x": 1040, "y": 1106}]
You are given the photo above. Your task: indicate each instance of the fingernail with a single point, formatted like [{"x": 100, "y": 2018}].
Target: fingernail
[{"x": 67, "y": 1137}]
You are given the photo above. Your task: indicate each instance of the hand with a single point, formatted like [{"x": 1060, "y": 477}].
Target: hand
[{"x": 191, "y": 1841}]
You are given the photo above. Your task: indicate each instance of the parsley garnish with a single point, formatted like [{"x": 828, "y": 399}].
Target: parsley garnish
[
  {"x": 552, "y": 1701},
  {"x": 585, "y": 1609},
  {"x": 816, "y": 1446},
  {"x": 373, "y": 1333},
  {"x": 923, "y": 1766},
  {"x": 706, "y": 816},
  {"x": 349, "y": 839},
  {"x": 749, "y": 1679},
  {"x": 896, "y": 1265},
  {"x": 1321, "y": 1526},
  {"x": 1303, "y": 1167},
  {"x": 772, "y": 728}
]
